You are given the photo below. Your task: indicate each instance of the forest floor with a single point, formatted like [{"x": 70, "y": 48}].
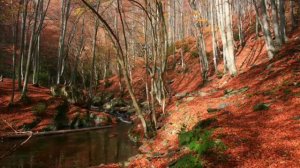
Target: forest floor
[{"x": 269, "y": 138}]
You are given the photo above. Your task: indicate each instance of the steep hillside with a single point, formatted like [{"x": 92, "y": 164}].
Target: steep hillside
[{"x": 254, "y": 138}]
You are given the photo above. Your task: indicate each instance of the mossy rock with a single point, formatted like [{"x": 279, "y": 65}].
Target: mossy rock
[
  {"x": 213, "y": 110},
  {"x": 73, "y": 95},
  {"x": 55, "y": 91},
  {"x": 261, "y": 107}
]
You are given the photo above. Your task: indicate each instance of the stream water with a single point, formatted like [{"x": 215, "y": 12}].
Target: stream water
[{"x": 83, "y": 149}]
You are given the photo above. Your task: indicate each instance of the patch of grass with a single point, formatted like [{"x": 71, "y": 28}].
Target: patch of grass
[
  {"x": 199, "y": 141},
  {"x": 261, "y": 107},
  {"x": 39, "y": 109}
]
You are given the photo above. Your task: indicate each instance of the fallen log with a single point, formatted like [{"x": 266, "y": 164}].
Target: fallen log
[{"x": 14, "y": 135}]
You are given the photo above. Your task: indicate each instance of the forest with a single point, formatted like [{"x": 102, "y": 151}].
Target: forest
[{"x": 150, "y": 83}]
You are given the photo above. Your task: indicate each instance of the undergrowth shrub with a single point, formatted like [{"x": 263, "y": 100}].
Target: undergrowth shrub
[
  {"x": 39, "y": 109},
  {"x": 200, "y": 142},
  {"x": 43, "y": 79},
  {"x": 61, "y": 118}
]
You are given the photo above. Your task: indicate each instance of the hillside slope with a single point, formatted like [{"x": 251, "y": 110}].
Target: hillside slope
[{"x": 269, "y": 138}]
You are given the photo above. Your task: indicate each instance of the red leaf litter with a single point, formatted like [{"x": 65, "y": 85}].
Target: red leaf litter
[{"x": 255, "y": 139}]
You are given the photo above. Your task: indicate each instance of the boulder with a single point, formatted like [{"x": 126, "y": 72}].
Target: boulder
[
  {"x": 73, "y": 94},
  {"x": 55, "y": 91},
  {"x": 181, "y": 95}
]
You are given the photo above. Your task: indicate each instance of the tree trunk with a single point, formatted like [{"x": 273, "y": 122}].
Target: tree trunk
[
  {"x": 94, "y": 51},
  {"x": 65, "y": 12},
  {"x": 282, "y": 21},
  {"x": 30, "y": 50},
  {"x": 22, "y": 42},
  {"x": 293, "y": 20},
  {"x": 276, "y": 23},
  {"x": 263, "y": 17},
  {"x": 15, "y": 31},
  {"x": 230, "y": 59},
  {"x": 214, "y": 41}
]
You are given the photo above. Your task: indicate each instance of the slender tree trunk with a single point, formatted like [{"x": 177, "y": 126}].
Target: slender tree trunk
[
  {"x": 276, "y": 23},
  {"x": 35, "y": 33},
  {"x": 282, "y": 21},
  {"x": 22, "y": 42},
  {"x": 214, "y": 41},
  {"x": 230, "y": 57},
  {"x": 65, "y": 12},
  {"x": 265, "y": 27},
  {"x": 30, "y": 50},
  {"x": 94, "y": 51},
  {"x": 293, "y": 20},
  {"x": 15, "y": 31},
  {"x": 240, "y": 25}
]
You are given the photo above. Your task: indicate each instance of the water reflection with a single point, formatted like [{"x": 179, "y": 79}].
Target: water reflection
[{"x": 73, "y": 150}]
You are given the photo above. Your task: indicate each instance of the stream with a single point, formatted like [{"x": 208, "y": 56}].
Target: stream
[{"x": 78, "y": 150}]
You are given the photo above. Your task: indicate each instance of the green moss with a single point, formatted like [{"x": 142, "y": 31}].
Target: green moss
[
  {"x": 261, "y": 107},
  {"x": 200, "y": 141},
  {"x": 39, "y": 109}
]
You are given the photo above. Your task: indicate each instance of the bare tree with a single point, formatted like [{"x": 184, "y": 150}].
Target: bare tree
[{"x": 65, "y": 14}]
